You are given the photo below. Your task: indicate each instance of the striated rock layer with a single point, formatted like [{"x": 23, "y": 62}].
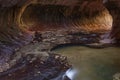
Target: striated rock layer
[
  {"x": 57, "y": 17},
  {"x": 114, "y": 8},
  {"x": 20, "y": 18}
]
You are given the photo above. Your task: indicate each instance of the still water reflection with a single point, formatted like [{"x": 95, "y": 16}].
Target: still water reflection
[{"x": 92, "y": 64}]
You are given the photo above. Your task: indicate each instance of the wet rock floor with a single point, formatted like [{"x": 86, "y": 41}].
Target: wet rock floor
[
  {"x": 49, "y": 69},
  {"x": 35, "y": 61}
]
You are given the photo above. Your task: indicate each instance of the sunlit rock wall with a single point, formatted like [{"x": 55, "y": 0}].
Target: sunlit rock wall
[
  {"x": 114, "y": 8},
  {"x": 69, "y": 18},
  {"x": 19, "y": 17}
]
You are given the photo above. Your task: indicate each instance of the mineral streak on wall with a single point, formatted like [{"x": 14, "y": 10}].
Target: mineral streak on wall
[{"x": 19, "y": 17}]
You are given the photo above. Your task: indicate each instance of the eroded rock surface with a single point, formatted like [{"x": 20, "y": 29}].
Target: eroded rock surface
[
  {"x": 19, "y": 17},
  {"x": 73, "y": 16},
  {"x": 41, "y": 51}
]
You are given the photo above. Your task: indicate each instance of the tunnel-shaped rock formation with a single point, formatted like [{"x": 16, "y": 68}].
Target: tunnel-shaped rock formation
[
  {"x": 18, "y": 18},
  {"x": 69, "y": 18}
]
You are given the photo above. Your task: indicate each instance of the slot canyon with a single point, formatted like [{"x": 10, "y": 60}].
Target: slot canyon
[{"x": 40, "y": 39}]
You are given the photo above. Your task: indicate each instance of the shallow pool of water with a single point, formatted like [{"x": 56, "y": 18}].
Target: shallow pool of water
[{"x": 93, "y": 64}]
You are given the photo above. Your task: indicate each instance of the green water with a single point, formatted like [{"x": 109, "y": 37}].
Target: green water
[{"x": 93, "y": 64}]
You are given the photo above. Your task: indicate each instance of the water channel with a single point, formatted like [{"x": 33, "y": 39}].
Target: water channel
[{"x": 92, "y": 64}]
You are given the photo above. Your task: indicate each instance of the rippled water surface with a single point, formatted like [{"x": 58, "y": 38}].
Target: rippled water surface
[{"x": 93, "y": 64}]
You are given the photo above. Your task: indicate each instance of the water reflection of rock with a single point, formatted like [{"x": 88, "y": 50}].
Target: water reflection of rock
[{"x": 91, "y": 63}]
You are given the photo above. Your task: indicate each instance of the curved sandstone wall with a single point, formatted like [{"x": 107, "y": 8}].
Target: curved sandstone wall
[
  {"x": 114, "y": 8},
  {"x": 69, "y": 18},
  {"x": 19, "y": 17}
]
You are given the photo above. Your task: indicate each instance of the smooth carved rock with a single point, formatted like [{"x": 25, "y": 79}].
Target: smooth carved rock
[{"x": 15, "y": 27}]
